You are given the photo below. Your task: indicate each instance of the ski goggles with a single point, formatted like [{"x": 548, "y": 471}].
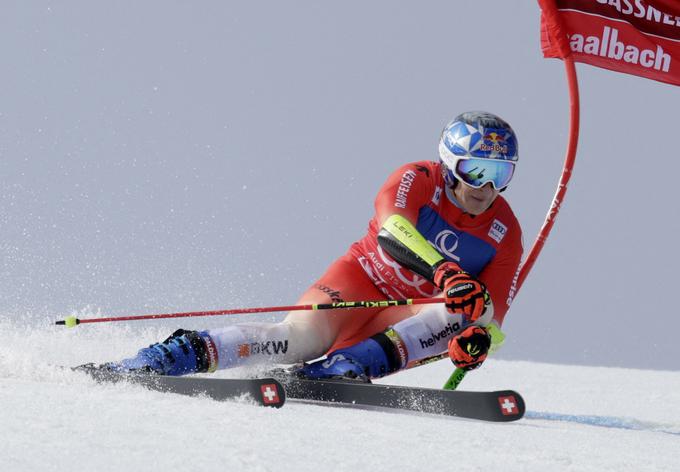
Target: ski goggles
[{"x": 477, "y": 172}]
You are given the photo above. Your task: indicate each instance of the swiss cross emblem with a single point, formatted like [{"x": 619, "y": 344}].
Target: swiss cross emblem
[
  {"x": 270, "y": 394},
  {"x": 508, "y": 405}
]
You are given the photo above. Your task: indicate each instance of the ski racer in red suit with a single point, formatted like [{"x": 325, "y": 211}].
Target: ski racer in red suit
[{"x": 440, "y": 229}]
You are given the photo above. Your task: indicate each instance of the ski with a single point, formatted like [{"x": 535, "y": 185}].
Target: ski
[
  {"x": 264, "y": 391},
  {"x": 498, "y": 406}
]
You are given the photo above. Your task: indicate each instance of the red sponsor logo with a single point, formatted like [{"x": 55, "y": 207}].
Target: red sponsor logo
[
  {"x": 494, "y": 142},
  {"x": 270, "y": 394},
  {"x": 244, "y": 350},
  {"x": 494, "y": 137},
  {"x": 508, "y": 405},
  {"x": 212, "y": 354}
]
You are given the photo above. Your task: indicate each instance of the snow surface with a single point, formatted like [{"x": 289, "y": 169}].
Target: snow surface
[{"x": 579, "y": 419}]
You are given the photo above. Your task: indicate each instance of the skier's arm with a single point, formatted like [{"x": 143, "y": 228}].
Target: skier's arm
[
  {"x": 397, "y": 206},
  {"x": 463, "y": 293},
  {"x": 401, "y": 240},
  {"x": 405, "y": 192}
]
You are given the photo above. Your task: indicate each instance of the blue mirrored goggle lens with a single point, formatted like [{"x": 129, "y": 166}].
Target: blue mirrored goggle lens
[{"x": 477, "y": 172}]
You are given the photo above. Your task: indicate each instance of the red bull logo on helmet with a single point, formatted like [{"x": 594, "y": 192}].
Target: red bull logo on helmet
[{"x": 494, "y": 142}]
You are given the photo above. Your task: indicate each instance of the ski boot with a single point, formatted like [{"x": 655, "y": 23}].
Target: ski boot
[
  {"x": 184, "y": 352},
  {"x": 368, "y": 359}
]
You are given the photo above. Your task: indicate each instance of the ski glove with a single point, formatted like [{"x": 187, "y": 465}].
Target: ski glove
[
  {"x": 463, "y": 293},
  {"x": 469, "y": 349}
]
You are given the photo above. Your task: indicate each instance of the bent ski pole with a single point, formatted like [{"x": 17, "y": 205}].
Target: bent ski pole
[{"x": 72, "y": 321}]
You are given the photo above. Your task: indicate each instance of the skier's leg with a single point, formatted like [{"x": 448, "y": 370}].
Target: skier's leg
[
  {"x": 303, "y": 335},
  {"x": 409, "y": 342}
]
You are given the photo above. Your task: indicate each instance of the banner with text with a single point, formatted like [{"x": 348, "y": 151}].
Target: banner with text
[{"x": 639, "y": 37}]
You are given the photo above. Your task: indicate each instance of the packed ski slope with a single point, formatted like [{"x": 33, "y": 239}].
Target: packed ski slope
[{"x": 580, "y": 419}]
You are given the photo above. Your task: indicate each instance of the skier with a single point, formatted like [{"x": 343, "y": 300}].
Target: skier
[{"x": 439, "y": 229}]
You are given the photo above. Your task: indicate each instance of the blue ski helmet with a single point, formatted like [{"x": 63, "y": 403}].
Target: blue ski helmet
[{"x": 478, "y": 148}]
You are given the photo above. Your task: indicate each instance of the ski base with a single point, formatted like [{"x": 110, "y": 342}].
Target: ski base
[
  {"x": 264, "y": 391},
  {"x": 498, "y": 406}
]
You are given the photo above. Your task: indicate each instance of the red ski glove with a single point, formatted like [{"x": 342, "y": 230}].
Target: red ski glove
[
  {"x": 469, "y": 349},
  {"x": 463, "y": 293}
]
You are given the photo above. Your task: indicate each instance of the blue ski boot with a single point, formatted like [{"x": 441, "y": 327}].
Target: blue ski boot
[
  {"x": 372, "y": 358},
  {"x": 184, "y": 352}
]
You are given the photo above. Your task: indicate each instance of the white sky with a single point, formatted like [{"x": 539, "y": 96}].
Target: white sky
[{"x": 166, "y": 156}]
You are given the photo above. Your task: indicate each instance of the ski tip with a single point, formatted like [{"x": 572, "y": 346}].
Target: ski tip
[{"x": 511, "y": 405}]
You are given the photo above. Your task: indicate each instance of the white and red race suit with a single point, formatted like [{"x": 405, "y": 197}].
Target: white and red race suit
[{"x": 488, "y": 246}]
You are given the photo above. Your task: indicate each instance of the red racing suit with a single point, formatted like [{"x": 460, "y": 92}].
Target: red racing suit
[{"x": 488, "y": 246}]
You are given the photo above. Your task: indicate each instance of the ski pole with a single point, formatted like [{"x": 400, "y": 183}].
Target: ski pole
[
  {"x": 497, "y": 340},
  {"x": 455, "y": 379},
  {"x": 72, "y": 321}
]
